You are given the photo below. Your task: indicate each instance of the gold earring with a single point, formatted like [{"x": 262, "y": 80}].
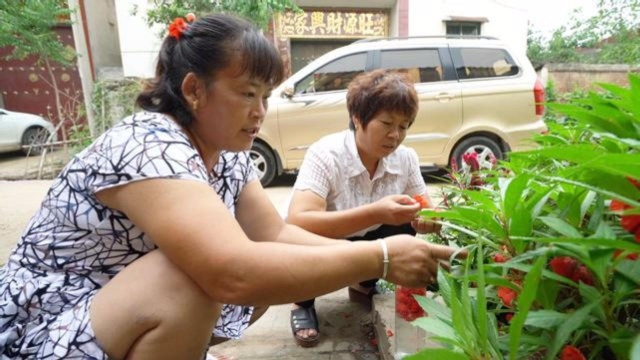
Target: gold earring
[{"x": 195, "y": 105}]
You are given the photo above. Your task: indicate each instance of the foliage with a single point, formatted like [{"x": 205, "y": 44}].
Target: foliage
[
  {"x": 31, "y": 33},
  {"x": 112, "y": 100},
  {"x": 259, "y": 11},
  {"x": 553, "y": 243},
  {"x": 609, "y": 36}
]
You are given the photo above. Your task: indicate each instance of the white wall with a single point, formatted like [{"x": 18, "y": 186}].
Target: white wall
[
  {"x": 508, "y": 23},
  {"x": 139, "y": 45}
]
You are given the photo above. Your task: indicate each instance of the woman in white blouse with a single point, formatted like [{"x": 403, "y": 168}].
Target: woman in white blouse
[{"x": 360, "y": 183}]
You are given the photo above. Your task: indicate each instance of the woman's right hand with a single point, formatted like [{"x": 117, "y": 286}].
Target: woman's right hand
[
  {"x": 414, "y": 262},
  {"x": 396, "y": 209}
]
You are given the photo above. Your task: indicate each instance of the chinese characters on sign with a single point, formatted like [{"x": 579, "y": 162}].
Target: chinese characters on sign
[{"x": 333, "y": 24}]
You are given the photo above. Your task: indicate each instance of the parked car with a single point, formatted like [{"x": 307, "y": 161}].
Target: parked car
[
  {"x": 22, "y": 131},
  {"x": 475, "y": 95}
]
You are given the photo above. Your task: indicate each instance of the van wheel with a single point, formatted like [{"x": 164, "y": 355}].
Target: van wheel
[
  {"x": 34, "y": 138},
  {"x": 487, "y": 149},
  {"x": 264, "y": 162}
]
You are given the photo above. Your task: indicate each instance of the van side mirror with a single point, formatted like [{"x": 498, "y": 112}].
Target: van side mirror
[{"x": 287, "y": 92}]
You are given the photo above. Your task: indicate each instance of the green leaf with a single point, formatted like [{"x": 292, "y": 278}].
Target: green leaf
[
  {"x": 629, "y": 269},
  {"x": 437, "y": 354},
  {"x": 481, "y": 320},
  {"x": 590, "y": 295},
  {"x": 588, "y": 242},
  {"x": 434, "y": 308},
  {"x": 545, "y": 319},
  {"x": 573, "y": 322},
  {"x": 635, "y": 349},
  {"x": 525, "y": 299},
  {"x": 561, "y": 226},
  {"x": 436, "y": 327}
]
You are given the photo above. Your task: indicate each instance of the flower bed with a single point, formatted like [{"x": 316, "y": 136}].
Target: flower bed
[{"x": 553, "y": 240}]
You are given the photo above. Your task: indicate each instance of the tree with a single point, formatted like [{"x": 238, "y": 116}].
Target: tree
[
  {"x": 610, "y": 36},
  {"x": 258, "y": 11},
  {"x": 27, "y": 28}
]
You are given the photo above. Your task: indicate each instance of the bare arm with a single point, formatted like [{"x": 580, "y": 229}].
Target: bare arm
[
  {"x": 194, "y": 229},
  {"x": 308, "y": 210},
  {"x": 261, "y": 222}
]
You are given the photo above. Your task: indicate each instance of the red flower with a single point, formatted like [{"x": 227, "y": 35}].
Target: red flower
[
  {"x": 582, "y": 274},
  {"x": 500, "y": 258},
  {"x": 423, "y": 202},
  {"x": 471, "y": 159},
  {"x": 509, "y": 316},
  {"x": 177, "y": 27},
  {"x": 406, "y": 305},
  {"x": 564, "y": 265},
  {"x": 571, "y": 353},
  {"x": 507, "y": 295},
  {"x": 631, "y": 223},
  {"x": 632, "y": 256},
  {"x": 389, "y": 333}
]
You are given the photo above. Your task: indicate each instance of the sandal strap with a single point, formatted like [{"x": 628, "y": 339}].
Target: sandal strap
[{"x": 304, "y": 318}]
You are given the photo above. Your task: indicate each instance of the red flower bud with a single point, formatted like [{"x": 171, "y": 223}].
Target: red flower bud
[
  {"x": 471, "y": 159},
  {"x": 571, "y": 353},
  {"x": 500, "y": 258},
  {"x": 582, "y": 274},
  {"x": 564, "y": 265},
  {"x": 507, "y": 295},
  {"x": 422, "y": 201}
]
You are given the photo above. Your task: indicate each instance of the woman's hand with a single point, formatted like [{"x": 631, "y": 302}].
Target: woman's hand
[
  {"x": 414, "y": 262},
  {"x": 396, "y": 209},
  {"x": 425, "y": 226}
]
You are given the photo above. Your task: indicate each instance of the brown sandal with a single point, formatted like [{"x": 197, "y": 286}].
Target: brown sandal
[{"x": 302, "y": 319}]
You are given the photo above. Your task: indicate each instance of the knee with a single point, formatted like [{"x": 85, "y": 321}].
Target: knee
[{"x": 177, "y": 286}]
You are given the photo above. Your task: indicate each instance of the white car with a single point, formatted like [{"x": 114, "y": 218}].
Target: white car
[{"x": 22, "y": 131}]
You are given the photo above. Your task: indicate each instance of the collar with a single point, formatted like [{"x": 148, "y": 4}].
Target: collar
[{"x": 388, "y": 164}]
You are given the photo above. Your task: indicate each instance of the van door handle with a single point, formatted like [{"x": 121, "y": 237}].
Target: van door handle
[{"x": 444, "y": 96}]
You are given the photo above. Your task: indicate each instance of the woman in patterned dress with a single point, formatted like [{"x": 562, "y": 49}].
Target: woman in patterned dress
[{"x": 145, "y": 235}]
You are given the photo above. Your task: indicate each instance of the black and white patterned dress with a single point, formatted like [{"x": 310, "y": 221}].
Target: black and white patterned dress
[{"x": 74, "y": 245}]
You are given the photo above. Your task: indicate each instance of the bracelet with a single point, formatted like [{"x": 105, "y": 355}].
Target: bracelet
[{"x": 385, "y": 258}]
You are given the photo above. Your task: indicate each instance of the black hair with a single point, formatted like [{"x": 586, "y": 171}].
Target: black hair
[
  {"x": 205, "y": 47},
  {"x": 381, "y": 90}
]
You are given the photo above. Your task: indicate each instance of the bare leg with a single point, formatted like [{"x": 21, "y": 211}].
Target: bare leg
[{"x": 152, "y": 310}]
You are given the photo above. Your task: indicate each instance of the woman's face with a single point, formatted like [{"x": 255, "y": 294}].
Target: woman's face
[
  {"x": 384, "y": 133},
  {"x": 233, "y": 111}
]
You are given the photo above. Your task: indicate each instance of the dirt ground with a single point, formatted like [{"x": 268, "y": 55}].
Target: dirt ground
[{"x": 18, "y": 202}]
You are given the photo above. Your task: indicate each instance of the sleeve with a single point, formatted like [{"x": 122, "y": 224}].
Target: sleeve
[
  {"x": 316, "y": 173},
  {"x": 415, "y": 182},
  {"x": 132, "y": 153}
]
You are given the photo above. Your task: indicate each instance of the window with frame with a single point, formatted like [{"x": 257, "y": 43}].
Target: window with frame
[
  {"x": 333, "y": 76},
  {"x": 422, "y": 65},
  {"x": 459, "y": 28},
  {"x": 474, "y": 63}
]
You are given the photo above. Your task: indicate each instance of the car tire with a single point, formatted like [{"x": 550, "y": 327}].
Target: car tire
[
  {"x": 33, "y": 137},
  {"x": 264, "y": 163},
  {"x": 487, "y": 149}
]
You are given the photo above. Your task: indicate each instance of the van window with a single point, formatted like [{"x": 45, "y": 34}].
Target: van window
[
  {"x": 422, "y": 65},
  {"x": 333, "y": 76},
  {"x": 474, "y": 63}
]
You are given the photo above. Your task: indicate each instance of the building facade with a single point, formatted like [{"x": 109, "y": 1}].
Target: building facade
[{"x": 326, "y": 24}]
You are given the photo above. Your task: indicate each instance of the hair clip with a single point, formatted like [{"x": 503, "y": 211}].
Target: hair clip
[{"x": 178, "y": 26}]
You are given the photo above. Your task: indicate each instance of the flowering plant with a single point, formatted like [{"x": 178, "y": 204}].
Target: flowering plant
[{"x": 553, "y": 243}]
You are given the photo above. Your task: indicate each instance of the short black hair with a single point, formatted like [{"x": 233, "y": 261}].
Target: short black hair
[{"x": 207, "y": 46}]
